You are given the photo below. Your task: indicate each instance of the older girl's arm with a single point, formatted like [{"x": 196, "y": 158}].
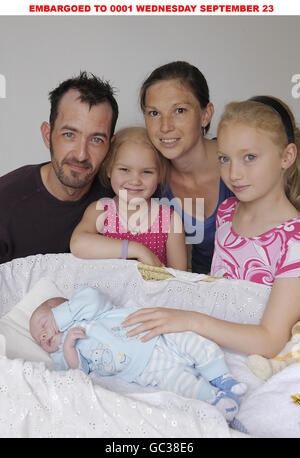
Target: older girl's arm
[{"x": 266, "y": 339}]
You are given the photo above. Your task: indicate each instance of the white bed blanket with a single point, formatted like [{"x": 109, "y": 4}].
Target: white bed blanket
[{"x": 38, "y": 402}]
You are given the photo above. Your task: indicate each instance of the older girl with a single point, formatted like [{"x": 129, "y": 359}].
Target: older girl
[{"x": 258, "y": 232}]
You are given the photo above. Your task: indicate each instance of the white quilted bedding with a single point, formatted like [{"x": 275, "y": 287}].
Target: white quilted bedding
[{"x": 39, "y": 402}]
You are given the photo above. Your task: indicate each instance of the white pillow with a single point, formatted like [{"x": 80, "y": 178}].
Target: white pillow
[{"x": 15, "y": 338}]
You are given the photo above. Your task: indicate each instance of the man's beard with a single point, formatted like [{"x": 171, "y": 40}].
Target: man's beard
[{"x": 72, "y": 181}]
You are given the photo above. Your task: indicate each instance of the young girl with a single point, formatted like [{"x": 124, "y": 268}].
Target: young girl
[
  {"x": 132, "y": 225},
  {"x": 258, "y": 231}
]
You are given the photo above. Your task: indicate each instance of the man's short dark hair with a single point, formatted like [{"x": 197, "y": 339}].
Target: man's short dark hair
[{"x": 92, "y": 91}]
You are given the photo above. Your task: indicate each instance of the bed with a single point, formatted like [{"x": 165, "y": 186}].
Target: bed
[{"x": 37, "y": 401}]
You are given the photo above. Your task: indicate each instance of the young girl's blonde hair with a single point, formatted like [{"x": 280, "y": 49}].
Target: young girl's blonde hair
[
  {"x": 262, "y": 116},
  {"x": 136, "y": 135}
]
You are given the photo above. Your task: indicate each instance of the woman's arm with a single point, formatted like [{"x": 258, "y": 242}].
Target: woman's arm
[
  {"x": 266, "y": 339},
  {"x": 87, "y": 243},
  {"x": 176, "y": 248}
]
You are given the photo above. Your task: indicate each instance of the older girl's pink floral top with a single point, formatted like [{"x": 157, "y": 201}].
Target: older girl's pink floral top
[{"x": 261, "y": 259}]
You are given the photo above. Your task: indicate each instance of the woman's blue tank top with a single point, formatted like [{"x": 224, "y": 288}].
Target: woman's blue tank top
[{"x": 202, "y": 251}]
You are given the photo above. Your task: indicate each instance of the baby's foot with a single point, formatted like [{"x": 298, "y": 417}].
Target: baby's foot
[
  {"x": 229, "y": 384},
  {"x": 227, "y": 404},
  {"x": 238, "y": 425}
]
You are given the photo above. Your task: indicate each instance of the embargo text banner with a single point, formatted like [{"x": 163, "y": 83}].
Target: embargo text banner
[{"x": 149, "y": 7}]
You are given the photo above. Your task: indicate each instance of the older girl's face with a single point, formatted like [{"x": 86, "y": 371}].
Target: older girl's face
[
  {"x": 173, "y": 118},
  {"x": 252, "y": 166}
]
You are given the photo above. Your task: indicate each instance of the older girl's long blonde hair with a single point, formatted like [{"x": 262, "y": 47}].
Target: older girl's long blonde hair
[{"x": 261, "y": 116}]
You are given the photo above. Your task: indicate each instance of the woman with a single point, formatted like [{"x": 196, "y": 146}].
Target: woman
[{"x": 177, "y": 111}]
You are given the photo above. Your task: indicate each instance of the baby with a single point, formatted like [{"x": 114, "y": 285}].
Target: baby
[{"x": 86, "y": 332}]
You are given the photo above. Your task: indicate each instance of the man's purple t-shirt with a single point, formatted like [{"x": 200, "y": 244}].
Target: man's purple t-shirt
[{"x": 33, "y": 221}]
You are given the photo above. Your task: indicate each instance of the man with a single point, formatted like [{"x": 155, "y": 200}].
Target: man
[{"x": 40, "y": 205}]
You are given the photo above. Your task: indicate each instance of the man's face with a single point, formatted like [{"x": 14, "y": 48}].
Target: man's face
[{"x": 79, "y": 140}]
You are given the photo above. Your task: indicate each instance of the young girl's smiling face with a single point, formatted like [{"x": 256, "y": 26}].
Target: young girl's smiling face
[
  {"x": 135, "y": 170},
  {"x": 252, "y": 166}
]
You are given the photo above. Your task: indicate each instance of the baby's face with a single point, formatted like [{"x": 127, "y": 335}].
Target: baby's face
[{"x": 43, "y": 327}]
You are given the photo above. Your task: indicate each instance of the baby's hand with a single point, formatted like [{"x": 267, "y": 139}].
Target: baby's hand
[
  {"x": 73, "y": 335},
  {"x": 69, "y": 350}
]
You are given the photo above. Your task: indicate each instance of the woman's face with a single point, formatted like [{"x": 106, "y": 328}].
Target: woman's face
[{"x": 173, "y": 118}]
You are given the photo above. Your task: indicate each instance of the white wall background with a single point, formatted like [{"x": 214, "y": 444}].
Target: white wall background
[{"x": 240, "y": 57}]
